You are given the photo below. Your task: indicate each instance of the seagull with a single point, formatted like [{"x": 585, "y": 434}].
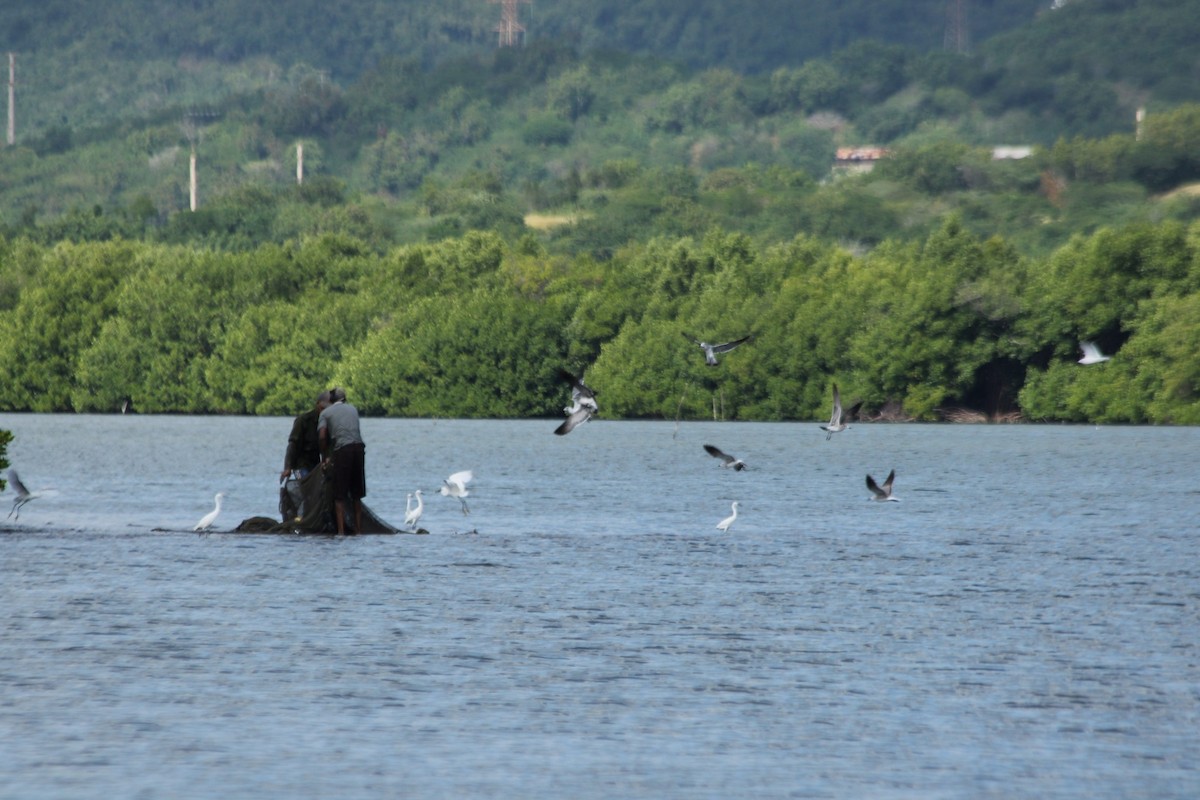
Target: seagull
[
  {"x": 1091, "y": 354},
  {"x": 206, "y": 522},
  {"x": 583, "y": 404},
  {"x": 456, "y": 486},
  {"x": 724, "y": 524},
  {"x": 882, "y": 493},
  {"x": 711, "y": 350},
  {"x": 23, "y": 494},
  {"x": 726, "y": 459},
  {"x": 413, "y": 515},
  {"x": 835, "y": 420}
]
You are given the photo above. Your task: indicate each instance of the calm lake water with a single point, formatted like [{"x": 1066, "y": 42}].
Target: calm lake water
[{"x": 1025, "y": 623}]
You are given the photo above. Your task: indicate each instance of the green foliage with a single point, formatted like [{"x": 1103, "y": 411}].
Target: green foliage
[{"x": 474, "y": 326}]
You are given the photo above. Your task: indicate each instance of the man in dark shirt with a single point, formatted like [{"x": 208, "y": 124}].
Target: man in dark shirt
[
  {"x": 341, "y": 441},
  {"x": 303, "y": 454}
]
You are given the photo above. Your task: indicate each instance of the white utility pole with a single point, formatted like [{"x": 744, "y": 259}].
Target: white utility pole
[{"x": 12, "y": 91}]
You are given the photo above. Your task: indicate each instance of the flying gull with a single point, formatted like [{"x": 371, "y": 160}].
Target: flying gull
[
  {"x": 711, "y": 350},
  {"x": 836, "y": 423},
  {"x": 456, "y": 486},
  {"x": 23, "y": 494},
  {"x": 882, "y": 493},
  {"x": 1091, "y": 354},
  {"x": 726, "y": 459},
  {"x": 583, "y": 404}
]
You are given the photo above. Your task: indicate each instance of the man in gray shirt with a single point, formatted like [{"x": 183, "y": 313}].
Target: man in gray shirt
[{"x": 345, "y": 457}]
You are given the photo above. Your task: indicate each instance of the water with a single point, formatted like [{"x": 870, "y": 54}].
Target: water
[{"x": 1023, "y": 624}]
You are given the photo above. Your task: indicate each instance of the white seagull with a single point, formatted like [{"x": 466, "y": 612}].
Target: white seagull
[
  {"x": 724, "y": 524},
  {"x": 836, "y": 423},
  {"x": 726, "y": 459},
  {"x": 882, "y": 493},
  {"x": 1091, "y": 354},
  {"x": 23, "y": 494},
  {"x": 413, "y": 515},
  {"x": 208, "y": 519},
  {"x": 456, "y": 486},
  {"x": 583, "y": 404},
  {"x": 711, "y": 350}
]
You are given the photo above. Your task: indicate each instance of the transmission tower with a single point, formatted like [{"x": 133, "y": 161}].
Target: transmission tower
[
  {"x": 510, "y": 31},
  {"x": 957, "y": 36}
]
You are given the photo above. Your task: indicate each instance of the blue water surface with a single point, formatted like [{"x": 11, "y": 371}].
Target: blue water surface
[{"x": 1024, "y": 623}]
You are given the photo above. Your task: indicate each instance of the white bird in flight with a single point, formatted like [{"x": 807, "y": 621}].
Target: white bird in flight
[
  {"x": 583, "y": 404},
  {"x": 882, "y": 493},
  {"x": 711, "y": 350},
  {"x": 724, "y": 524},
  {"x": 456, "y": 486},
  {"x": 836, "y": 422},
  {"x": 208, "y": 519},
  {"x": 1091, "y": 354},
  {"x": 23, "y": 494},
  {"x": 413, "y": 515},
  {"x": 726, "y": 459}
]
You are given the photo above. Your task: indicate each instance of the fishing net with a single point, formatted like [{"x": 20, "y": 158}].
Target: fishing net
[{"x": 306, "y": 506}]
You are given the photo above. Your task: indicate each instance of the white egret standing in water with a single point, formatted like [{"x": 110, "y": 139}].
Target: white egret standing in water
[
  {"x": 724, "y": 524},
  {"x": 208, "y": 519},
  {"x": 413, "y": 516}
]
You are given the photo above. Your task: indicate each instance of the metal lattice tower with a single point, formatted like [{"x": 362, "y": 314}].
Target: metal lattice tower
[
  {"x": 510, "y": 31},
  {"x": 957, "y": 35}
]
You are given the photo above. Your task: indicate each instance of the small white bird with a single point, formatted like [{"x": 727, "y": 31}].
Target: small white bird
[
  {"x": 882, "y": 493},
  {"x": 583, "y": 404},
  {"x": 1091, "y": 354},
  {"x": 413, "y": 515},
  {"x": 407, "y": 505},
  {"x": 726, "y": 459},
  {"x": 456, "y": 486},
  {"x": 836, "y": 423},
  {"x": 208, "y": 519},
  {"x": 711, "y": 350},
  {"x": 23, "y": 494},
  {"x": 724, "y": 524}
]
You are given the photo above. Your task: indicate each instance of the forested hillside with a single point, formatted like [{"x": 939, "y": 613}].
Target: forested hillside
[{"x": 472, "y": 218}]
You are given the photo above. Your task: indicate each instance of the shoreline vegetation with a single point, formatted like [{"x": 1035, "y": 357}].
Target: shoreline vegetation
[{"x": 955, "y": 327}]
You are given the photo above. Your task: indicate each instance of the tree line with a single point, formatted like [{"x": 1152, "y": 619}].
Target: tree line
[{"x": 479, "y": 326}]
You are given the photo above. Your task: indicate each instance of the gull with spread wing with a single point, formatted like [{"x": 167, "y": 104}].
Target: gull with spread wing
[{"x": 711, "y": 350}]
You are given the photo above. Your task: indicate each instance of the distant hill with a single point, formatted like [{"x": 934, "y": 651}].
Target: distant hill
[{"x": 83, "y": 63}]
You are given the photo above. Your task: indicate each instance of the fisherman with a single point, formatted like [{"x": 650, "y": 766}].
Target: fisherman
[
  {"x": 302, "y": 457},
  {"x": 342, "y": 444}
]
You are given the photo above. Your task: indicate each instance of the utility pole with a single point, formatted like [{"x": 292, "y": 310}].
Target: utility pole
[
  {"x": 12, "y": 92},
  {"x": 957, "y": 33},
  {"x": 510, "y": 31},
  {"x": 192, "y": 179}
]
